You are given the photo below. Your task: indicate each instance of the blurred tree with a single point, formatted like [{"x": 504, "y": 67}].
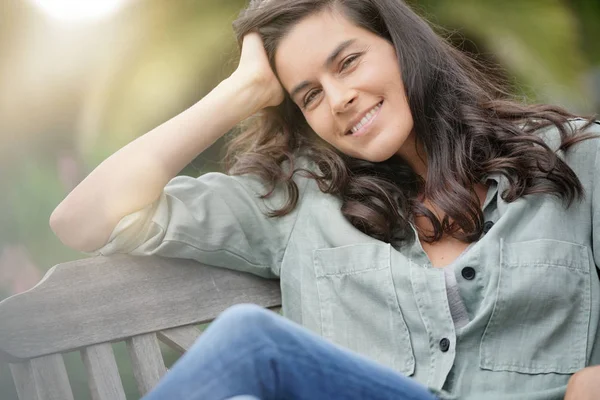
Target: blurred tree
[
  {"x": 181, "y": 53},
  {"x": 588, "y": 14},
  {"x": 538, "y": 42}
]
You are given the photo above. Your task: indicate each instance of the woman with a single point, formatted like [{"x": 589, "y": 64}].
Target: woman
[{"x": 440, "y": 236}]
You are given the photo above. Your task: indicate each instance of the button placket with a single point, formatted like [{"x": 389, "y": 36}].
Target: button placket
[{"x": 432, "y": 301}]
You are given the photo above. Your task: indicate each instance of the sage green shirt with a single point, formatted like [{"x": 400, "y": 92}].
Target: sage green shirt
[{"x": 532, "y": 296}]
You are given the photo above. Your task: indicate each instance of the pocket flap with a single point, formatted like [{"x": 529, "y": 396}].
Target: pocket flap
[
  {"x": 545, "y": 252},
  {"x": 351, "y": 258}
]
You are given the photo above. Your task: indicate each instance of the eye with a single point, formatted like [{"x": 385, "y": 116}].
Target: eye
[
  {"x": 349, "y": 61},
  {"x": 310, "y": 96}
]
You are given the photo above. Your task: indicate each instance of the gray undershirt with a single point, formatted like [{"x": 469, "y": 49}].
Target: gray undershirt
[{"x": 455, "y": 301}]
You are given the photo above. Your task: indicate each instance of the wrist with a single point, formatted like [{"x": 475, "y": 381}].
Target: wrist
[{"x": 251, "y": 90}]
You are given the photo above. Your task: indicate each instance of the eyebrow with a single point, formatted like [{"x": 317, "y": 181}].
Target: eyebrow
[{"x": 332, "y": 57}]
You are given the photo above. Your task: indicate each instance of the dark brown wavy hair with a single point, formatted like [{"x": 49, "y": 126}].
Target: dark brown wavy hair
[{"x": 468, "y": 124}]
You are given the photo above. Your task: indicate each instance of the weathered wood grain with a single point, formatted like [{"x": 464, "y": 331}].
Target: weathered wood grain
[
  {"x": 104, "y": 299},
  {"x": 51, "y": 379},
  {"x": 146, "y": 361},
  {"x": 180, "y": 339},
  {"x": 102, "y": 372},
  {"x": 24, "y": 381}
]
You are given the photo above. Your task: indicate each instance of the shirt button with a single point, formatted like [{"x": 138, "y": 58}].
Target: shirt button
[
  {"x": 487, "y": 226},
  {"x": 468, "y": 273},
  {"x": 444, "y": 345}
]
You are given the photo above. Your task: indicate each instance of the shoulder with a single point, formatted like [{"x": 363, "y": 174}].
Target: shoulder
[
  {"x": 244, "y": 187},
  {"x": 299, "y": 171},
  {"x": 582, "y": 156},
  {"x": 574, "y": 127}
]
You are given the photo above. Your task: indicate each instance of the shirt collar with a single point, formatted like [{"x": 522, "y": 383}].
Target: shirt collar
[{"x": 493, "y": 181}]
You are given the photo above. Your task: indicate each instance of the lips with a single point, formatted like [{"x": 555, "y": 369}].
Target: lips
[{"x": 363, "y": 119}]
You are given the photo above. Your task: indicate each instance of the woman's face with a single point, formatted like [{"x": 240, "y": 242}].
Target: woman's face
[{"x": 347, "y": 82}]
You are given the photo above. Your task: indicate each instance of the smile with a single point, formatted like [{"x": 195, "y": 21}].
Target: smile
[{"x": 361, "y": 127}]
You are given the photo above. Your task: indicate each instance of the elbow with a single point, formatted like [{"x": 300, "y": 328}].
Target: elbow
[
  {"x": 65, "y": 231},
  {"x": 57, "y": 224},
  {"x": 72, "y": 232},
  {"x": 55, "y": 221}
]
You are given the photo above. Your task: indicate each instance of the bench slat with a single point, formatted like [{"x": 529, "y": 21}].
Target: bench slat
[
  {"x": 50, "y": 377},
  {"x": 102, "y": 372},
  {"x": 108, "y": 299},
  {"x": 180, "y": 339},
  {"x": 24, "y": 381},
  {"x": 146, "y": 361}
]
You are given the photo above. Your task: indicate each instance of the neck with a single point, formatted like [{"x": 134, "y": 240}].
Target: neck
[{"x": 413, "y": 153}]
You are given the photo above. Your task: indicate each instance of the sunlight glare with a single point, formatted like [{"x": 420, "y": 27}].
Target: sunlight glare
[{"x": 79, "y": 10}]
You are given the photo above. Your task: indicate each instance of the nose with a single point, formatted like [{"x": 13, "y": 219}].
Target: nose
[{"x": 341, "y": 97}]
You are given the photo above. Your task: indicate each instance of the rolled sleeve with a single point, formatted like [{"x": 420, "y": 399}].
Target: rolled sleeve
[{"x": 215, "y": 219}]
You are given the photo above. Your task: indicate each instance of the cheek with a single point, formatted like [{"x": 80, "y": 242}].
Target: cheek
[{"x": 321, "y": 123}]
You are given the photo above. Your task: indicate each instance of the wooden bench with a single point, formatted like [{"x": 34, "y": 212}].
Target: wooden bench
[{"x": 89, "y": 304}]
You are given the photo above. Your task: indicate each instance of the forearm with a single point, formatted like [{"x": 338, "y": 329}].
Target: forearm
[{"x": 135, "y": 175}]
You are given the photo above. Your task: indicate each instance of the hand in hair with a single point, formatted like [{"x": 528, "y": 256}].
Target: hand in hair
[{"x": 254, "y": 67}]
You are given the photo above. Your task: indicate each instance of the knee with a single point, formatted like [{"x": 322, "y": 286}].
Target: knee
[
  {"x": 246, "y": 318},
  {"x": 246, "y": 313}
]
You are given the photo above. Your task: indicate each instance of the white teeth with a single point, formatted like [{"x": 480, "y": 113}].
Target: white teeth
[{"x": 366, "y": 119}]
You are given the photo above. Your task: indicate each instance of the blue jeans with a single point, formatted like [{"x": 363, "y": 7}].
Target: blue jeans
[{"x": 256, "y": 354}]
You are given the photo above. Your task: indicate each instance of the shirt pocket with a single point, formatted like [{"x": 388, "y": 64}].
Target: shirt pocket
[
  {"x": 358, "y": 304},
  {"x": 541, "y": 317}
]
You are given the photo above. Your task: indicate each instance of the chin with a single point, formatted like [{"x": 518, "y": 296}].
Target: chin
[
  {"x": 381, "y": 157},
  {"x": 380, "y": 151},
  {"x": 374, "y": 156}
]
